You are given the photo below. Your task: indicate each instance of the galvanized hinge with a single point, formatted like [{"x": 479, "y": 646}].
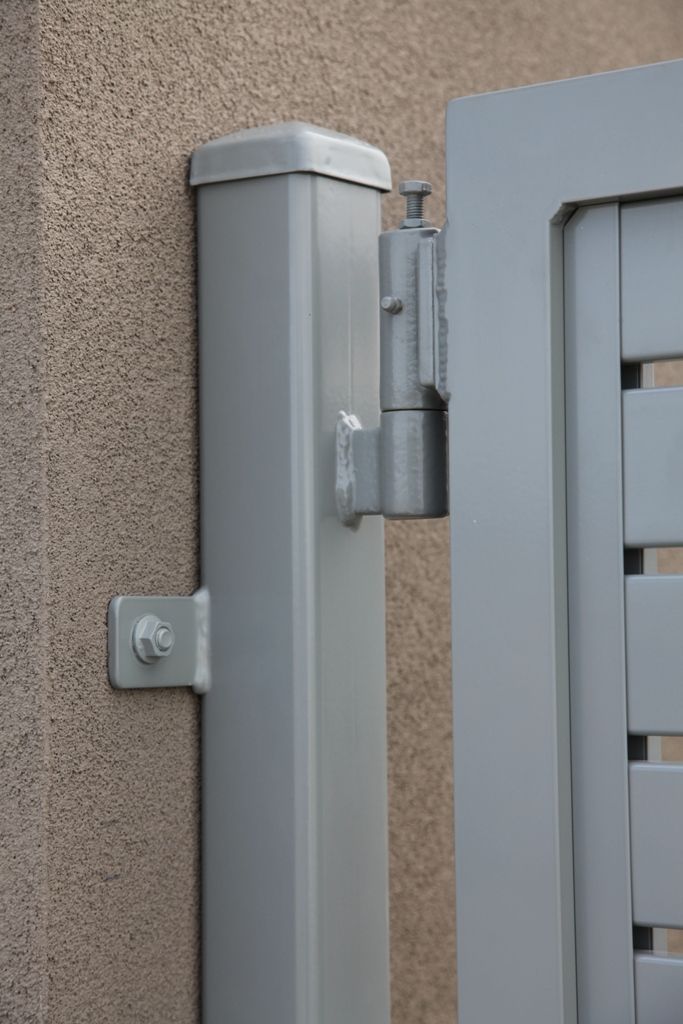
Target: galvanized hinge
[
  {"x": 398, "y": 470},
  {"x": 159, "y": 641}
]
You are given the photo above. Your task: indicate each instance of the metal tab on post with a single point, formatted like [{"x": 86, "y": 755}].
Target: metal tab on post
[{"x": 159, "y": 641}]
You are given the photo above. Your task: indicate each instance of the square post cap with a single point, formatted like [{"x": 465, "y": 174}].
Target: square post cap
[{"x": 290, "y": 148}]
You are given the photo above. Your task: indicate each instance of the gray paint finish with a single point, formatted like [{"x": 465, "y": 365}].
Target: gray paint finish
[
  {"x": 517, "y": 164},
  {"x": 659, "y": 989},
  {"x": 654, "y": 615},
  {"x": 295, "y": 915},
  {"x": 602, "y": 875},
  {"x": 657, "y": 843},
  {"x": 653, "y": 467},
  {"x": 652, "y": 272}
]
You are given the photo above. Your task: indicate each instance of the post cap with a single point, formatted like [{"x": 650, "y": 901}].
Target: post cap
[{"x": 289, "y": 148}]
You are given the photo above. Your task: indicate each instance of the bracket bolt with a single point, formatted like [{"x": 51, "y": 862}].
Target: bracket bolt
[
  {"x": 152, "y": 639},
  {"x": 415, "y": 193},
  {"x": 391, "y": 304}
]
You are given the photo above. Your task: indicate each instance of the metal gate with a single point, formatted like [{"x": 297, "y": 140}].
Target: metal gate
[{"x": 563, "y": 270}]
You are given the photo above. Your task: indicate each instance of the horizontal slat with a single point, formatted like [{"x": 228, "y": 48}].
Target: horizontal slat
[
  {"x": 651, "y": 274},
  {"x": 654, "y": 654},
  {"x": 657, "y": 844},
  {"x": 653, "y": 467},
  {"x": 659, "y": 989}
]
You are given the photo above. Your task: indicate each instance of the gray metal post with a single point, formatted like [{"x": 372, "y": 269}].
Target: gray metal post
[{"x": 295, "y": 920}]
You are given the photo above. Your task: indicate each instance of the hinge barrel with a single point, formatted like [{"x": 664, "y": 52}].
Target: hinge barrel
[
  {"x": 398, "y": 470},
  {"x": 413, "y": 464}
]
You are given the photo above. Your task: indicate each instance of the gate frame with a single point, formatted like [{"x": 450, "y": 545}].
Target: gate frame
[{"x": 518, "y": 164}]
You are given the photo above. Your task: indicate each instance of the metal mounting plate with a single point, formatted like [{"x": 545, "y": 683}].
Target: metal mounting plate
[{"x": 188, "y": 662}]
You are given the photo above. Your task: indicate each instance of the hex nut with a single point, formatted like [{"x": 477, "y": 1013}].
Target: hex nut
[
  {"x": 415, "y": 188},
  {"x": 152, "y": 639}
]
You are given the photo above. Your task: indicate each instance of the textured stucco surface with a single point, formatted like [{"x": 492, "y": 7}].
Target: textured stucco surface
[
  {"x": 103, "y": 101},
  {"x": 23, "y": 512}
]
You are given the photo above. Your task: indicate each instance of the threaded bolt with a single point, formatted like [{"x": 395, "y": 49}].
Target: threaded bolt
[
  {"x": 415, "y": 193},
  {"x": 414, "y": 205},
  {"x": 164, "y": 638}
]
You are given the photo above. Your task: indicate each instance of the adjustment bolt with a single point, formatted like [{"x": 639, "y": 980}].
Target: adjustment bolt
[
  {"x": 415, "y": 193},
  {"x": 152, "y": 639}
]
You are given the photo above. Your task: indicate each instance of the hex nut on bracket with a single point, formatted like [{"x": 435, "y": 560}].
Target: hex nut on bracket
[{"x": 152, "y": 639}]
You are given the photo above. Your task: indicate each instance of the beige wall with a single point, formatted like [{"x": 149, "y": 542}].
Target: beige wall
[
  {"x": 102, "y": 102},
  {"x": 23, "y": 506}
]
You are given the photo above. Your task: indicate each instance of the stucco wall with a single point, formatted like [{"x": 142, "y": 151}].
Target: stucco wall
[
  {"x": 102, "y": 104},
  {"x": 23, "y": 507}
]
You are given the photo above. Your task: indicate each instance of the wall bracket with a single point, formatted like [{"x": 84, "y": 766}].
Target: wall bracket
[{"x": 159, "y": 641}]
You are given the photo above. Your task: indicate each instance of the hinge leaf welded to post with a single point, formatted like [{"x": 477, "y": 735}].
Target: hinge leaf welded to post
[
  {"x": 358, "y": 466},
  {"x": 399, "y": 470}
]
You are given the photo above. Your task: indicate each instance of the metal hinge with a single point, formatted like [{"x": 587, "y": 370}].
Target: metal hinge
[
  {"x": 159, "y": 641},
  {"x": 399, "y": 470}
]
